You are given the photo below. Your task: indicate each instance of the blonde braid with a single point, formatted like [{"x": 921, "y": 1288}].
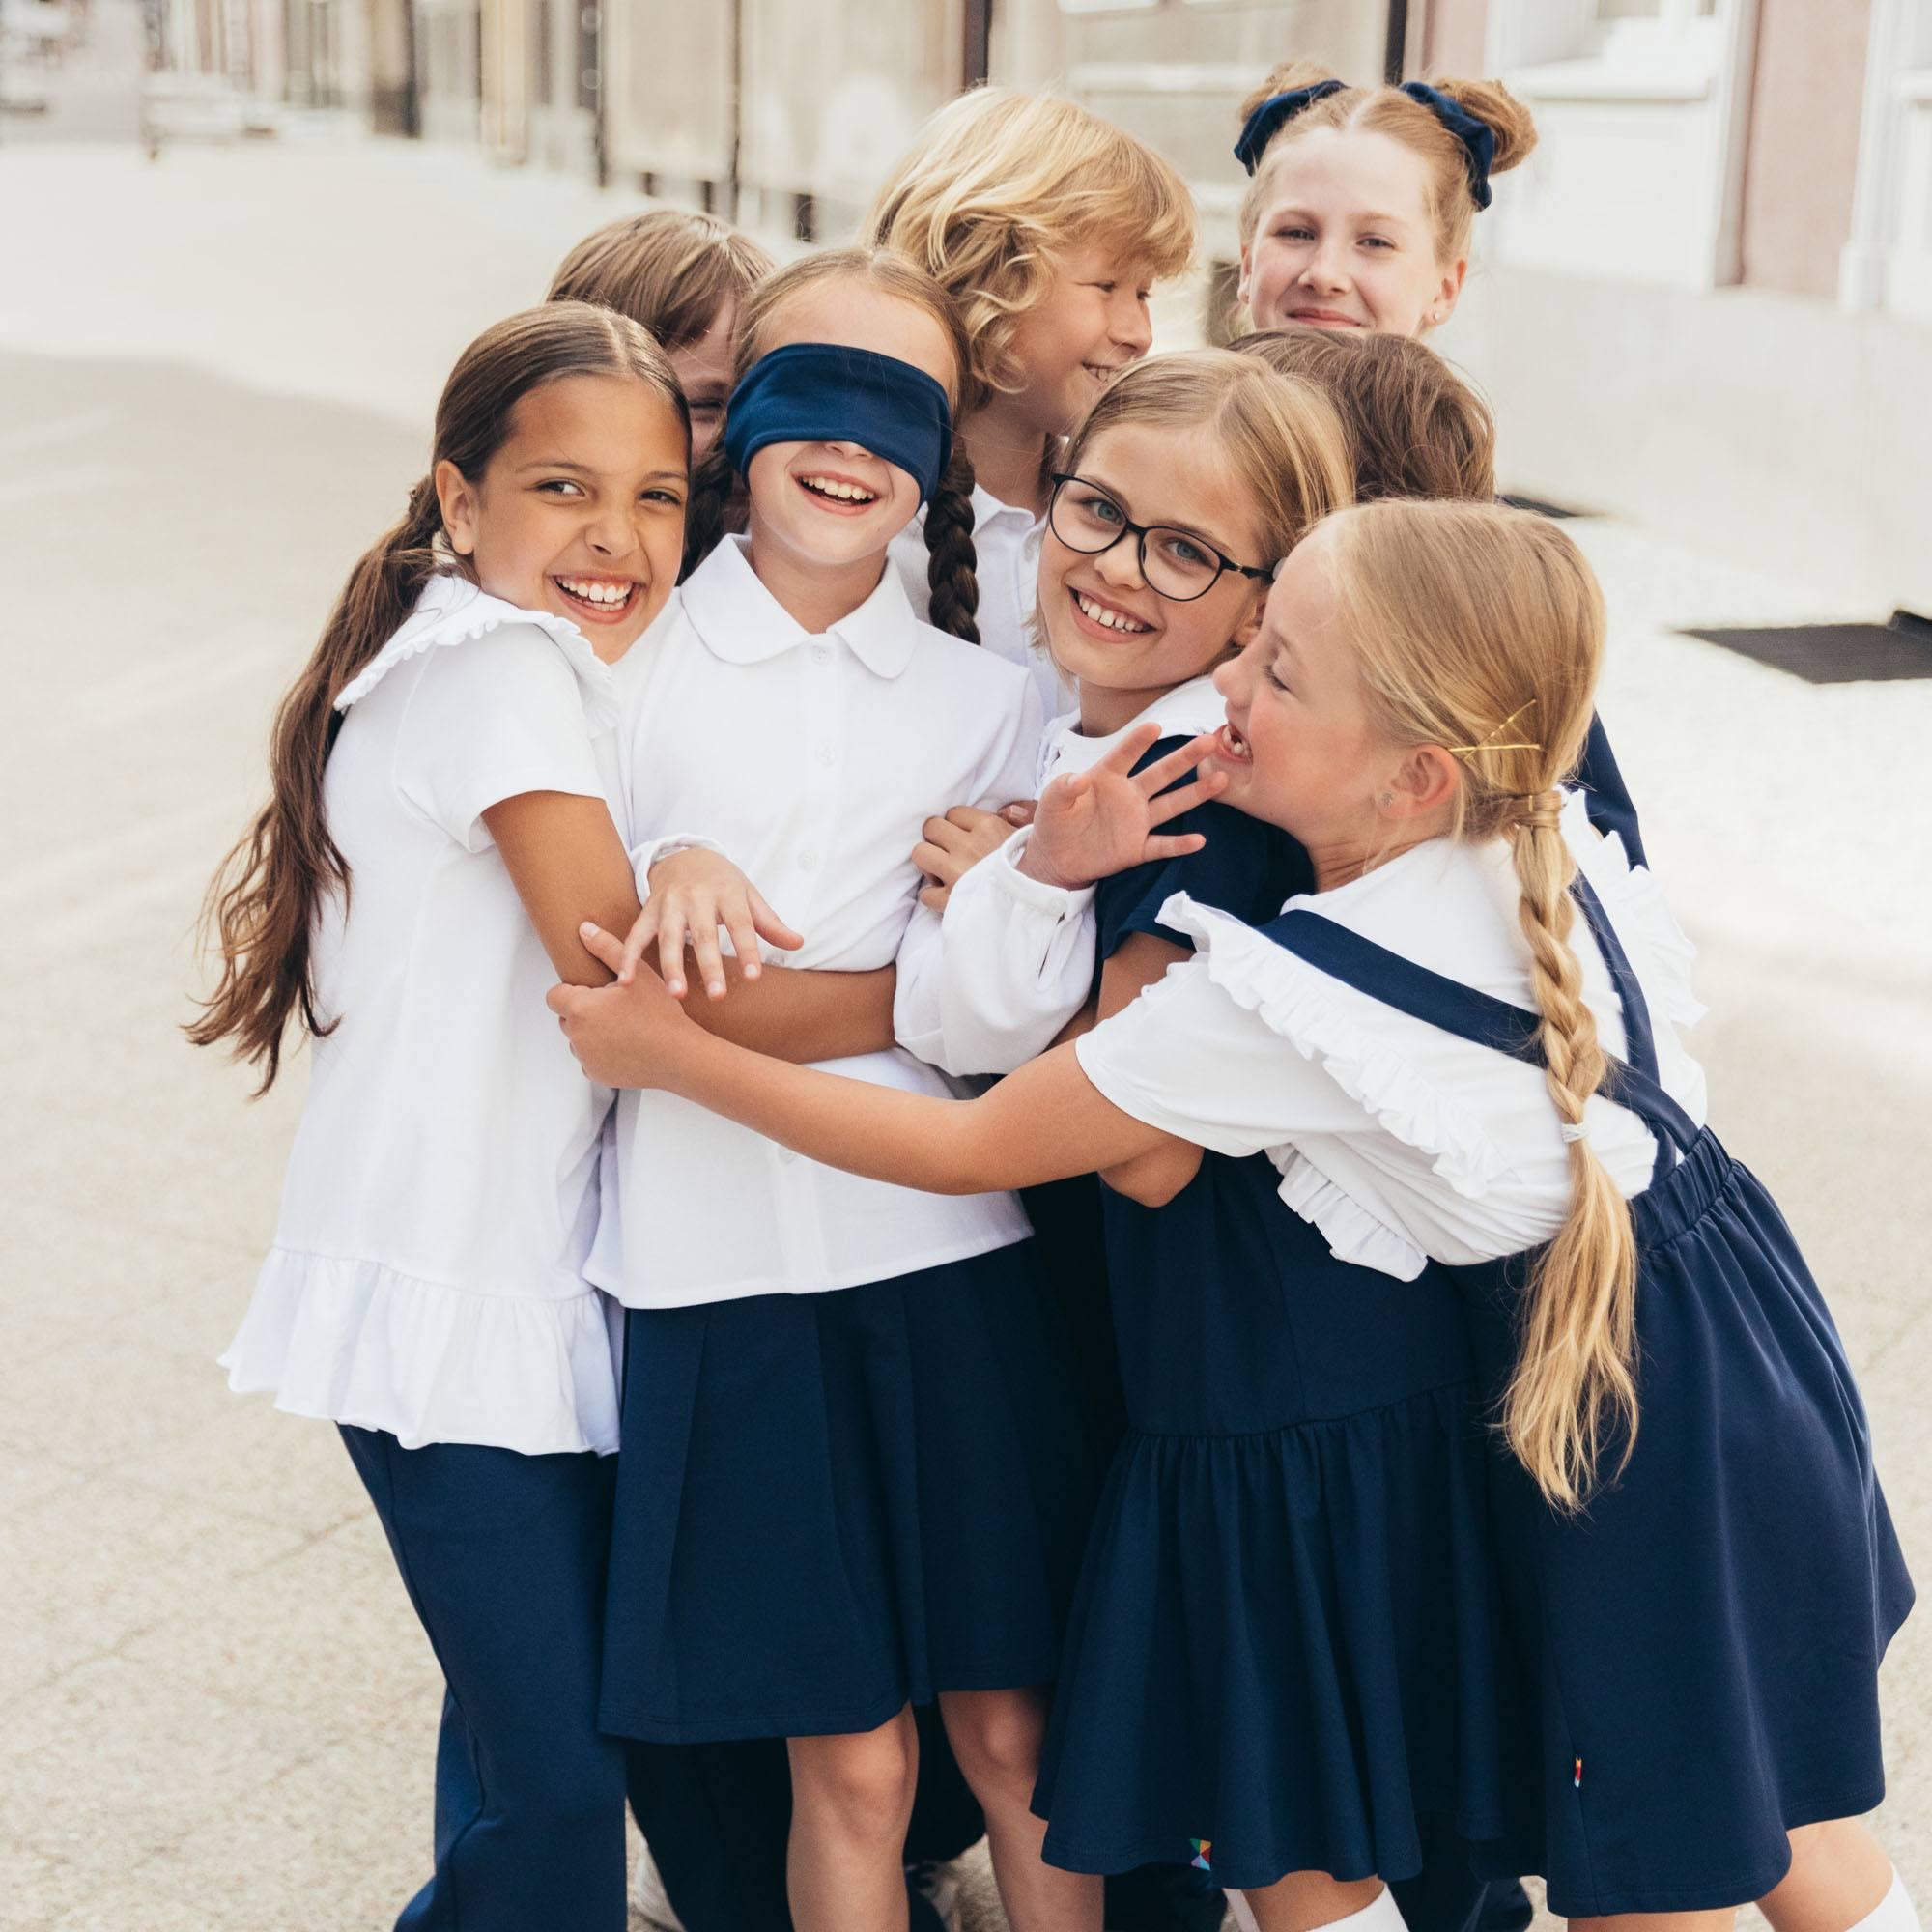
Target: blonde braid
[{"x": 1575, "y": 1380}]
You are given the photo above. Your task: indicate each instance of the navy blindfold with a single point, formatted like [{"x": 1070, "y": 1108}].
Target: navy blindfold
[{"x": 823, "y": 393}]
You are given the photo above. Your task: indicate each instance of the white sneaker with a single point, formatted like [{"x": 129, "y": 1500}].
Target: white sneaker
[
  {"x": 937, "y": 1882},
  {"x": 649, "y": 1901}
]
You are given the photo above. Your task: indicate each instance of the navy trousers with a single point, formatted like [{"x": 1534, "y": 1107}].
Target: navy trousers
[{"x": 503, "y": 1557}]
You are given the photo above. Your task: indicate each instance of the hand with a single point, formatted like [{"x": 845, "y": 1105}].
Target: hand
[
  {"x": 693, "y": 894},
  {"x": 952, "y": 845},
  {"x": 1090, "y": 825},
  {"x": 623, "y": 1034}
]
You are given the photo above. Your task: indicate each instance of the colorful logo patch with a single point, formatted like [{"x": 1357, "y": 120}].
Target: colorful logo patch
[{"x": 1202, "y": 1847}]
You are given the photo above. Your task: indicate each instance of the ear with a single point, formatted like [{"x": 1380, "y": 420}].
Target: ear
[
  {"x": 1248, "y": 273},
  {"x": 1249, "y": 628},
  {"x": 460, "y": 508},
  {"x": 1443, "y": 306},
  {"x": 1423, "y": 784}
]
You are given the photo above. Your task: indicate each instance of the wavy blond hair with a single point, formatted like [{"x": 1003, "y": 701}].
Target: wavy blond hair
[
  {"x": 999, "y": 185},
  {"x": 1481, "y": 628},
  {"x": 1387, "y": 110},
  {"x": 671, "y": 269}
]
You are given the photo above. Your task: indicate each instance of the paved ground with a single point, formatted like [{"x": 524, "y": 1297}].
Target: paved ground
[{"x": 216, "y": 1710}]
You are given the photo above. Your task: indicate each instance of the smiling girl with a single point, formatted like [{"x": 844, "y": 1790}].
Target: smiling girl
[
  {"x": 1362, "y": 200},
  {"x": 445, "y": 769},
  {"x": 852, "y": 1479}
]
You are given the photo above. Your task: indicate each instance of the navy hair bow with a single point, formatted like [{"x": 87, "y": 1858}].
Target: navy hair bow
[
  {"x": 1268, "y": 116},
  {"x": 1478, "y": 137}
]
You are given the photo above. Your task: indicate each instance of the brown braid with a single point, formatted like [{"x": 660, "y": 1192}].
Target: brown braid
[
  {"x": 951, "y": 563},
  {"x": 715, "y": 507}
]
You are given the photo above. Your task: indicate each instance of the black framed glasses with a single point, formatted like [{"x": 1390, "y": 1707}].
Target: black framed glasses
[{"x": 1175, "y": 564}]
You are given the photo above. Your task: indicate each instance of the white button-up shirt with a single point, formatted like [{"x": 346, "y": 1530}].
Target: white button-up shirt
[
  {"x": 1006, "y": 539},
  {"x": 813, "y": 762}
]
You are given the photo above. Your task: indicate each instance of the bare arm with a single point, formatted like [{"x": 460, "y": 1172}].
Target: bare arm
[
  {"x": 802, "y": 1013},
  {"x": 1153, "y": 1178},
  {"x": 1042, "y": 1123},
  {"x": 567, "y": 863}
]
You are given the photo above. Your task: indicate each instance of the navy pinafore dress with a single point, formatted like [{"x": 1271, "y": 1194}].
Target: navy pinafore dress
[
  {"x": 1283, "y": 1653},
  {"x": 1700, "y": 1647}
]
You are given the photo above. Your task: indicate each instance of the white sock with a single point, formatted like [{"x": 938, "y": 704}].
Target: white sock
[
  {"x": 1893, "y": 1913},
  {"x": 1382, "y": 1914}
]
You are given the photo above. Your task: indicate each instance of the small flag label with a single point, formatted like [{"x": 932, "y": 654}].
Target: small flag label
[
  {"x": 1577, "y": 1777},
  {"x": 1202, "y": 1847}
]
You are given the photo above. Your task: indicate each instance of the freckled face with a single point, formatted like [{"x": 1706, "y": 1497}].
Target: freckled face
[
  {"x": 580, "y": 511},
  {"x": 1297, "y": 747},
  {"x": 1345, "y": 241},
  {"x": 1102, "y": 622},
  {"x": 704, "y": 374},
  {"x": 832, "y": 504},
  {"x": 1091, "y": 326}
]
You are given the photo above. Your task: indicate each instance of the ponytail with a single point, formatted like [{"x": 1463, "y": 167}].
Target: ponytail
[
  {"x": 260, "y": 907},
  {"x": 951, "y": 563},
  {"x": 1573, "y": 1388}
]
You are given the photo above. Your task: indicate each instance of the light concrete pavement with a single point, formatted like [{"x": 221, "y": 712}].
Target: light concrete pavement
[{"x": 216, "y": 1712}]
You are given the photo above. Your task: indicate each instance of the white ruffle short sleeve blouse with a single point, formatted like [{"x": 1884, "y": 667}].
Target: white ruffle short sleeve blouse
[
  {"x": 441, "y": 1198},
  {"x": 1398, "y": 1141}
]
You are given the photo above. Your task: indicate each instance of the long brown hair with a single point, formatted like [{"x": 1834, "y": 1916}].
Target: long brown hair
[
  {"x": 1387, "y": 110},
  {"x": 1414, "y": 426},
  {"x": 1481, "y": 629},
  {"x": 262, "y": 905},
  {"x": 671, "y": 268},
  {"x": 952, "y": 562}
]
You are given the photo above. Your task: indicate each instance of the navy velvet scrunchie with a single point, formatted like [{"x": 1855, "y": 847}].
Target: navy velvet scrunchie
[
  {"x": 1478, "y": 137},
  {"x": 824, "y": 392}
]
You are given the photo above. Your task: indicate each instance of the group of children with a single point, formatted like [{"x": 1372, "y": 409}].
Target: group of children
[{"x": 1329, "y": 1423}]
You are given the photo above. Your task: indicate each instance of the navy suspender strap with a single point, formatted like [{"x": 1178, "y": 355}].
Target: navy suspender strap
[{"x": 1486, "y": 1021}]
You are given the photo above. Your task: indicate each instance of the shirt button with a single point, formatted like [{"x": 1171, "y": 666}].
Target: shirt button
[
  {"x": 828, "y": 754},
  {"x": 786, "y": 1155},
  {"x": 821, "y": 654},
  {"x": 807, "y": 860}
]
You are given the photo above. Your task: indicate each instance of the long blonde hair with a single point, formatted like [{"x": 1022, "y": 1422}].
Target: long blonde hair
[
  {"x": 1481, "y": 629},
  {"x": 1387, "y": 110},
  {"x": 1000, "y": 184}
]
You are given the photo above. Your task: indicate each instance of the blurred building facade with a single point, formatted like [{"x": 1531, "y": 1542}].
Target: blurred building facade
[{"x": 1707, "y": 295}]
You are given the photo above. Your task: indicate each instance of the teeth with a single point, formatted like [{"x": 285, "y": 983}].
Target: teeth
[
  {"x": 845, "y": 492},
  {"x": 612, "y": 594},
  {"x": 1113, "y": 619}
]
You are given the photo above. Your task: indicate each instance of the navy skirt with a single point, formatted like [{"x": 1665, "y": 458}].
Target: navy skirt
[
  {"x": 830, "y": 1506},
  {"x": 1704, "y": 1643},
  {"x": 1285, "y": 1650}
]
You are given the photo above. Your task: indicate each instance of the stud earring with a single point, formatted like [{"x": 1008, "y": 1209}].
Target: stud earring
[{"x": 1386, "y": 798}]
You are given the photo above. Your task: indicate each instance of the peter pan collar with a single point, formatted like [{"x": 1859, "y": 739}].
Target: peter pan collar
[
  {"x": 742, "y": 622},
  {"x": 1184, "y": 712},
  {"x": 987, "y": 508}
]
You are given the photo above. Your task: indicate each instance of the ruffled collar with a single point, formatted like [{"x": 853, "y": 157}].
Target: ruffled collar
[{"x": 451, "y": 610}]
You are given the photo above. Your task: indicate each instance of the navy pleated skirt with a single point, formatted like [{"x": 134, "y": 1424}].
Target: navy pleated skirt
[
  {"x": 1703, "y": 1644},
  {"x": 832, "y": 1505},
  {"x": 1285, "y": 1650}
]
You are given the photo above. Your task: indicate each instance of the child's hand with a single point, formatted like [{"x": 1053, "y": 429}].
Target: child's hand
[
  {"x": 622, "y": 1034},
  {"x": 952, "y": 845},
  {"x": 693, "y": 894},
  {"x": 1090, "y": 825}
]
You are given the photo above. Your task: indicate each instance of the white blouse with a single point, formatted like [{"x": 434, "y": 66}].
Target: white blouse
[
  {"x": 1012, "y": 960},
  {"x": 1005, "y": 540},
  {"x": 1397, "y": 1140},
  {"x": 815, "y": 761},
  {"x": 427, "y": 1275}
]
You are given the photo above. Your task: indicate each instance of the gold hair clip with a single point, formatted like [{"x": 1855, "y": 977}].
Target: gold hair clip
[{"x": 1485, "y": 743}]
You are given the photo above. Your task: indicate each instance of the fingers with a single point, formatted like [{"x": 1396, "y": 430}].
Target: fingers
[
  {"x": 1164, "y": 772},
  {"x": 1184, "y": 798},
  {"x": 672, "y": 934},
  {"x": 1019, "y": 813},
  {"x": 605, "y": 948},
  {"x": 769, "y": 928},
  {"x": 710, "y": 960},
  {"x": 738, "y": 923},
  {"x": 934, "y": 897},
  {"x": 935, "y": 862},
  {"x": 566, "y": 1002},
  {"x": 644, "y": 930},
  {"x": 1131, "y": 749},
  {"x": 1173, "y": 845}
]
